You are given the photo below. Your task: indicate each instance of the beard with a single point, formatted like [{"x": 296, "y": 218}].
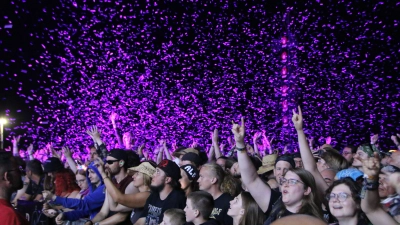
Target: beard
[{"x": 158, "y": 188}]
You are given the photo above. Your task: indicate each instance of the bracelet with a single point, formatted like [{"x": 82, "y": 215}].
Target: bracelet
[
  {"x": 105, "y": 178},
  {"x": 240, "y": 149},
  {"x": 371, "y": 185}
]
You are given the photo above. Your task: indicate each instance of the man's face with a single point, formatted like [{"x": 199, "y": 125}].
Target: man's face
[
  {"x": 93, "y": 154},
  {"x": 298, "y": 162},
  {"x": 158, "y": 180},
  {"x": 280, "y": 169},
  {"x": 348, "y": 155},
  {"x": 385, "y": 189},
  {"x": 114, "y": 167},
  {"x": 205, "y": 179}
]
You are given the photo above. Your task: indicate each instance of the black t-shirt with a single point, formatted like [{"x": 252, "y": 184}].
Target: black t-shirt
[
  {"x": 221, "y": 206},
  {"x": 34, "y": 189},
  {"x": 155, "y": 207},
  {"x": 275, "y": 196}
]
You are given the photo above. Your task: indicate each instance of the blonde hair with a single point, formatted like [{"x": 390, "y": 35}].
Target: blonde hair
[{"x": 177, "y": 216}]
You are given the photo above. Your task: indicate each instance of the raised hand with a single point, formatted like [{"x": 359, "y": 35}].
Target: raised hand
[
  {"x": 30, "y": 149},
  {"x": 328, "y": 140},
  {"x": 239, "y": 132},
  {"x": 371, "y": 167},
  {"x": 194, "y": 144},
  {"x": 15, "y": 139},
  {"x": 67, "y": 152},
  {"x": 230, "y": 142},
  {"x": 100, "y": 166},
  {"x": 374, "y": 139},
  {"x": 395, "y": 139},
  {"x": 51, "y": 213},
  {"x": 215, "y": 136},
  {"x": 113, "y": 117},
  {"x": 297, "y": 119},
  {"x": 94, "y": 133},
  {"x": 256, "y": 136}
]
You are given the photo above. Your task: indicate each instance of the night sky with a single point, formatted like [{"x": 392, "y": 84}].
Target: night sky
[{"x": 177, "y": 70}]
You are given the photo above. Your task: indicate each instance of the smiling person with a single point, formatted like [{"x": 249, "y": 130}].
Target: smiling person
[
  {"x": 363, "y": 152},
  {"x": 344, "y": 202},
  {"x": 244, "y": 210},
  {"x": 297, "y": 185}
]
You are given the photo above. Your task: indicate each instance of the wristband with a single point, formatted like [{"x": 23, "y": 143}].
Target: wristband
[
  {"x": 371, "y": 185},
  {"x": 240, "y": 149}
]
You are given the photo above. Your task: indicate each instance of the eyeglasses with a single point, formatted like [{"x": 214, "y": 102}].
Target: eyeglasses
[
  {"x": 80, "y": 181},
  {"x": 291, "y": 182},
  {"x": 111, "y": 161},
  {"x": 339, "y": 196}
]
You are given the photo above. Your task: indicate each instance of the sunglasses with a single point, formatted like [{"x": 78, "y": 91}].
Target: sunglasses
[{"x": 111, "y": 161}]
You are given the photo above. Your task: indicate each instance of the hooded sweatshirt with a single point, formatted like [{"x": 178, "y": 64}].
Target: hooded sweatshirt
[{"x": 90, "y": 205}]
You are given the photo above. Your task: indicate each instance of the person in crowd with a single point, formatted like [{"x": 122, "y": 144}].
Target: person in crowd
[
  {"x": 370, "y": 204},
  {"x": 331, "y": 159},
  {"x": 166, "y": 193},
  {"x": 191, "y": 158},
  {"x": 297, "y": 185},
  {"x": 299, "y": 219},
  {"x": 115, "y": 173},
  {"x": 82, "y": 182},
  {"x": 344, "y": 202},
  {"x": 210, "y": 180},
  {"x": 88, "y": 206},
  {"x": 189, "y": 176},
  {"x": 244, "y": 210},
  {"x": 387, "y": 192},
  {"x": 353, "y": 173},
  {"x": 199, "y": 205},
  {"x": 266, "y": 171},
  {"x": 297, "y": 160},
  {"x": 363, "y": 152},
  {"x": 141, "y": 176},
  {"x": 174, "y": 217},
  {"x": 10, "y": 182},
  {"x": 34, "y": 172},
  {"x": 348, "y": 153}
]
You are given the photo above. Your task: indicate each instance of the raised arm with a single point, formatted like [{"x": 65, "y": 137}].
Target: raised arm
[
  {"x": 70, "y": 160},
  {"x": 166, "y": 151},
  {"x": 30, "y": 152},
  {"x": 396, "y": 141},
  {"x": 100, "y": 146},
  {"x": 211, "y": 154},
  {"x": 370, "y": 204},
  {"x": 215, "y": 143},
  {"x": 256, "y": 136},
  {"x": 113, "y": 118},
  {"x": 15, "y": 142},
  {"x": 257, "y": 188},
  {"x": 306, "y": 154}
]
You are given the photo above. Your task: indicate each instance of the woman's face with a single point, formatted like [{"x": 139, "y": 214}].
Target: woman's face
[
  {"x": 235, "y": 208},
  {"x": 138, "y": 179},
  {"x": 322, "y": 165},
  {"x": 360, "y": 155},
  {"x": 342, "y": 208},
  {"x": 185, "y": 182},
  {"x": 81, "y": 181},
  {"x": 293, "y": 193}
]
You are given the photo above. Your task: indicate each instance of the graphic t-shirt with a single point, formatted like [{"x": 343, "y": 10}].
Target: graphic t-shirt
[
  {"x": 221, "y": 206},
  {"x": 155, "y": 207}
]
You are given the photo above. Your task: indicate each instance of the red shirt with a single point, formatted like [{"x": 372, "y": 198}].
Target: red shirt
[{"x": 9, "y": 216}]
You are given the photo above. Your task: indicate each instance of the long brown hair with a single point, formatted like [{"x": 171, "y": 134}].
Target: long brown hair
[
  {"x": 252, "y": 212},
  {"x": 311, "y": 203}
]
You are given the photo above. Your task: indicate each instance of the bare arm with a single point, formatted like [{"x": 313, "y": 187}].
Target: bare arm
[
  {"x": 258, "y": 189},
  {"x": 70, "y": 160},
  {"x": 115, "y": 219},
  {"x": 114, "y": 206},
  {"x": 160, "y": 155},
  {"x": 211, "y": 154},
  {"x": 15, "y": 142},
  {"x": 113, "y": 117},
  {"x": 215, "y": 144},
  {"x": 166, "y": 151},
  {"x": 103, "y": 211},
  {"x": 306, "y": 154},
  {"x": 370, "y": 204}
]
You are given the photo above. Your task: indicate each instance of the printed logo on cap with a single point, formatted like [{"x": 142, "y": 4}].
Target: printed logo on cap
[{"x": 189, "y": 170}]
